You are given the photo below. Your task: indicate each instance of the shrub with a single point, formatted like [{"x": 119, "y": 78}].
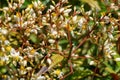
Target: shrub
[{"x": 43, "y": 40}]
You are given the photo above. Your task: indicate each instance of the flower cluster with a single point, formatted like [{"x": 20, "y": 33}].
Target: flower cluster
[{"x": 37, "y": 41}]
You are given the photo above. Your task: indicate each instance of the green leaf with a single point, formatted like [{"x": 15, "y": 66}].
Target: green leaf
[
  {"x": 56, "y": 59},
  {"x": 33, "y": 38},
  {"x": 93, "y": 3},
  {"x": 64, "y": 41},
  {"x": 110, "y": 70},
  {"x": 3, "y": 70}
]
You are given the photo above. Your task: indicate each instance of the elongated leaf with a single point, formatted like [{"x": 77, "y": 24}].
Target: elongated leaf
[
  {"x": 93, "y": 4},
  {"x": 56, "y": 59}
]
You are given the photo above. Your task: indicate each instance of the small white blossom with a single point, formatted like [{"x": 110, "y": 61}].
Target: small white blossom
[
  {"x": 67, "y": 11},
  {"x": 74, "y": 18},
  {"x": 87, "y": 56},
  {"x": 113, "y": 53},
  {"x": 52, "y": 7},
  {"x": 41, "y": 78},
  {"x": 6, "y": 42},
  {"x": 51, "y": 41},
  {"x": 5, "y": 58},
  {"x": 29, "y": 68},
  {"x": 15, "y": 53},
  {"x": 35, "y": 4},
  {"x": 54, "y": 32},
  {"x": 5, "y": 8},
  {"x": 107, "y": 19},
  {"x": 21, "y": 1},
  {"x": 61, "y": 10},
  {"x": 4, "y": 31},
  {"x": 49, "y": 60},
  {"x": 22, "y": 72},
  {"x": 110, "y": 36},
  {"x": 22, "y": 78},
  {"x": 92, "y": 63},
  {"x": 34, "y": 30},
  {"x": 81, "y": 22},
  {"x": 23, "y": 62},
  {"x": 89, "y": 12},
  {"x": 117, "y": 59},
  {"x": 60, "y": 75},
  {"x": 113, "y": 6}
]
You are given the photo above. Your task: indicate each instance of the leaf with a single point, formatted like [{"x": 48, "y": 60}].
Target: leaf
[
  {"x": 56, "y": 59},
  {"x": 33, "y": 38},
  {"x": 64, "y": 41},
  {"x": 109, "y": 70},
  {"x": 115, "y": 57},
  {"x": 93, "y": 4}
]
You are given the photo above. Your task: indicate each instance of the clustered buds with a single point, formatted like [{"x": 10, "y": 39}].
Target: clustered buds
[{"x": 39, "y": 37}]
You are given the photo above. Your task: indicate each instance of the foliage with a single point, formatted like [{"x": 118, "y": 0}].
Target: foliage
[{"x": 60, "y": 39}]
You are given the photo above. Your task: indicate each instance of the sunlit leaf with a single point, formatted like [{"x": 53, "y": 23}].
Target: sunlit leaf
[
  {"x": 33, "y": 38},
  {"x": 93, "y": 4},
  {"x": 109, "y": 70},
  {"x": 56, "y": 59}
]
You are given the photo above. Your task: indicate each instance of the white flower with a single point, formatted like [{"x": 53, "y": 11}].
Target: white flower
[
  {"x": 39, "y": 2},
  {"x": 23, "y": 62},
  {"x": 6, "y": 8},
  {"x": 107, "y": 19},
  {"x": 67, "y": 11},
  {"x": 22, "y": 72},
  {"x": 22, "y": 79},
  {"x": 110, "y": 35},
  {"x": 51, "y": 41},
  {"x": 8, "y": 18},
  {"x": 108, "y": 55},
  {"x": 6, "y": 42},
  {"x": 117, "y": 59},
  {"x": 39, "y": 12},
  {"x": 31, "y": 52},
  {"x": 21, "y": 1},
  {"x": 87, "y": 56},
  {"x": 29, "y": 68},
  {"x": 52, "y": 7},
  {"x": 5, "y": 58},
  {"x": 35, "y": 4},
  {"x": 34, "y": 15},
  {"x": 112, "y": 6},
  {"x": 15, "y": 4},
  {"x": 3, "y": 31},
  {"x": 74, "y": 18},
  {"x": 49, "y": 61},
  {"x": 60, "y": 75},
  {"x": 34, "y": 30},
  {"x": 41, "y": 78},
  {"x": 54, "y": 32},
  {"x": 10, "y": 5},
  {"x": 81, "y": 22},
  {"x": 3, "y": 49},
  {"x": 113, "y": 53},
  {"x": 61, "y": 10},
  {"x": 92, "y": 63},
  {"x": 64, "y": 1},
  {"x": 89, "y": 12},
  {"x": 54, "y": 25},
  {"x": 16, "y": 54}
]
